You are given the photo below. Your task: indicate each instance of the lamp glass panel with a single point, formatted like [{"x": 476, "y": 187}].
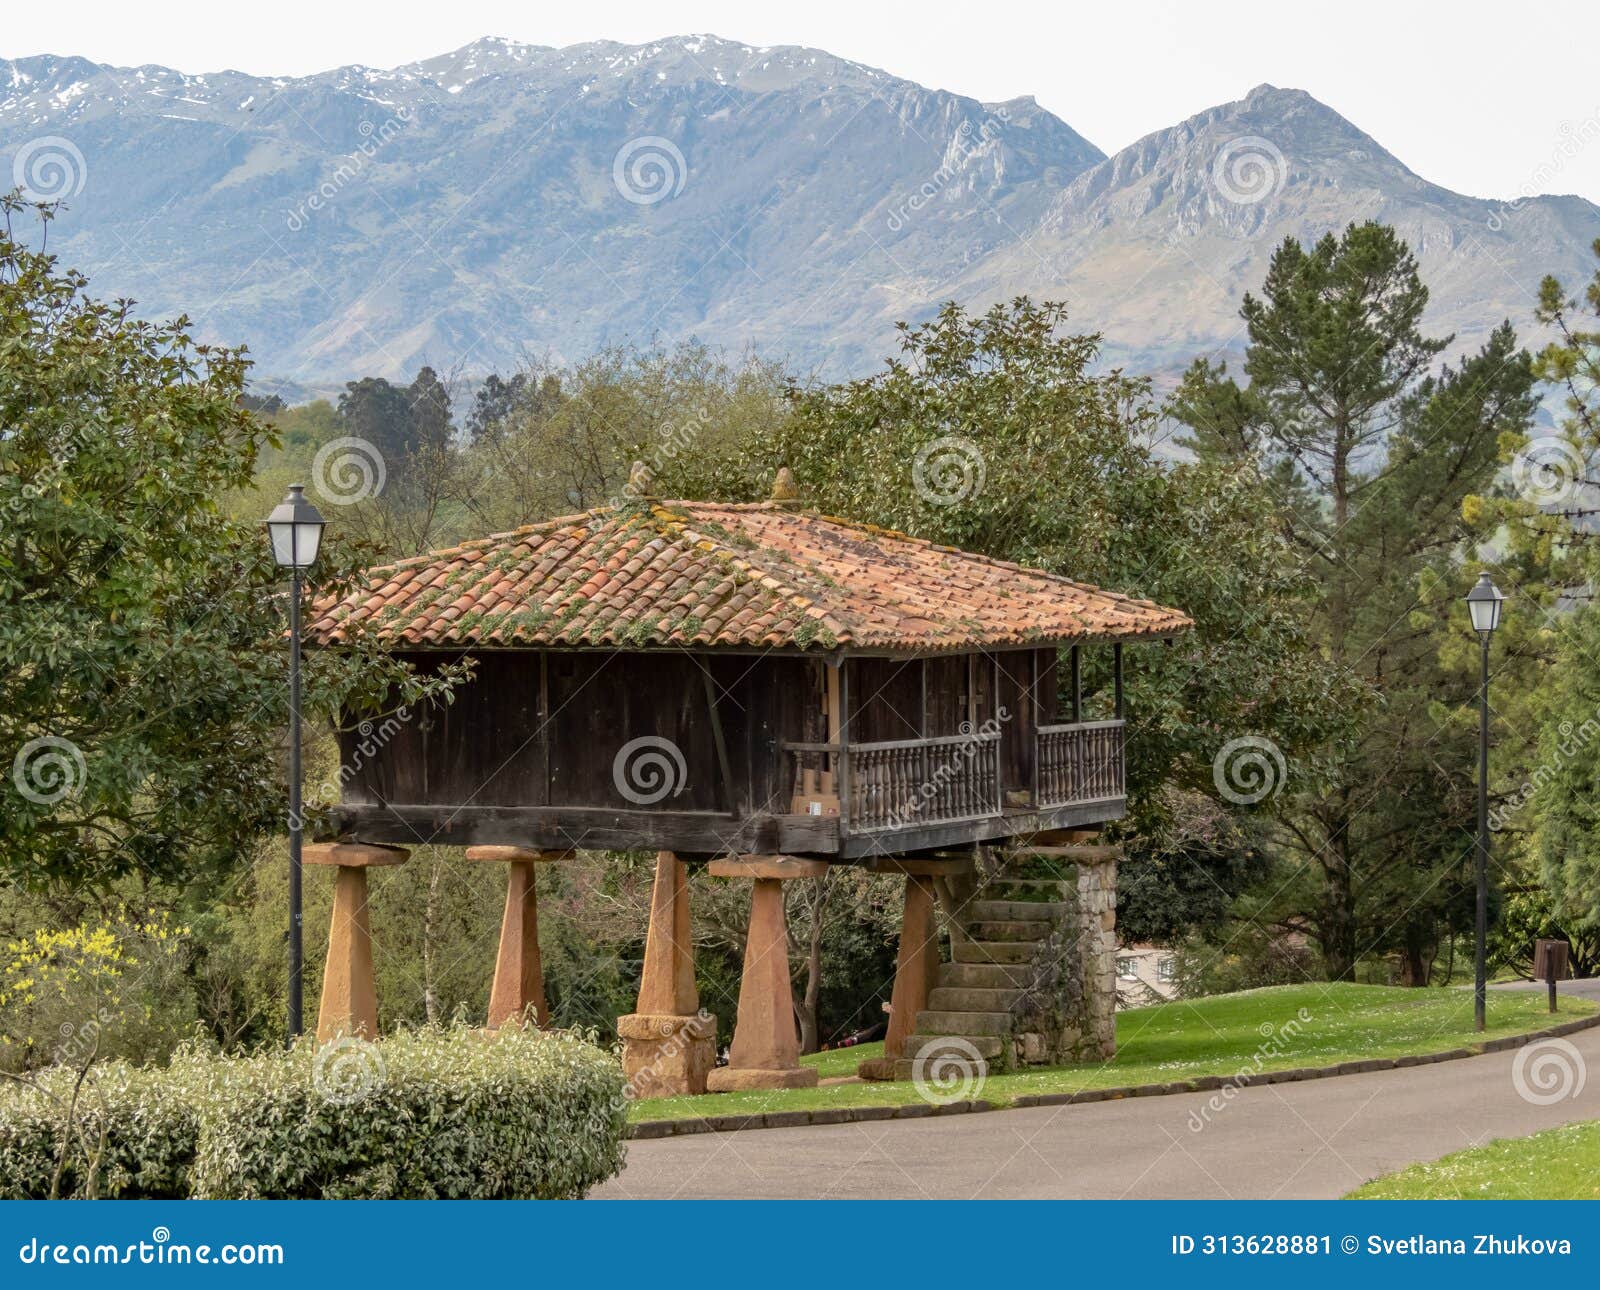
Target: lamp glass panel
[
  {"x": 309, "y": 538},
  {"x": 282, "y": 544}
]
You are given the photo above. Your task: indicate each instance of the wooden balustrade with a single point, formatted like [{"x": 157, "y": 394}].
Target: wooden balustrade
[
  {"x": 902, "y": 783},
  {"x": 1080, "y": 762},
  {"x": 905, "y": 783}
]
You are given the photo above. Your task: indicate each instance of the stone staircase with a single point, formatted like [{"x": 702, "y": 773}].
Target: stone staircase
[{"x": 970, "y": 1009}]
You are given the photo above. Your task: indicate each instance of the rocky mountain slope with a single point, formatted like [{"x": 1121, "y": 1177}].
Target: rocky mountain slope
[{"x": 509, "y": 198}]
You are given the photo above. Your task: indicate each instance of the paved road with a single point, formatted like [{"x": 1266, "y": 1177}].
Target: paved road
[{"x": 1316, "y": 1139}]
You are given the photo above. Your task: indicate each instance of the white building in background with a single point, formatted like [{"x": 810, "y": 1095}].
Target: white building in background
[{"x": 1146, "y": 974}]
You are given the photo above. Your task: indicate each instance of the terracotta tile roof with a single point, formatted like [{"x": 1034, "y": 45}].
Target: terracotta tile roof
[{"x": 705, "y": 574}]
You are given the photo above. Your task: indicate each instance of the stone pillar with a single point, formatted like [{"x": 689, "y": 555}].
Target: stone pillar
[
  {"x": 518, "y": 974},
  {"x": 668, "y": 1044},
  {"x": 1097, "y": 914},
  {"x": 766, "y": 1045},
  {"x": 917, "y": 961},
  {"x": 349, "y": 989}
]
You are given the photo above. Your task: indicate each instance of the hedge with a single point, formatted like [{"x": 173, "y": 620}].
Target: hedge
[
  {"x": 450, "y": 1114},
  {"x": 144, "y": 1124}
]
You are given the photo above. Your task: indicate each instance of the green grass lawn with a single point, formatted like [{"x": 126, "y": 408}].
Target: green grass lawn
[
  {"x": 1558, "y": 1164},
  {"x": 1257, "y": 1030}
]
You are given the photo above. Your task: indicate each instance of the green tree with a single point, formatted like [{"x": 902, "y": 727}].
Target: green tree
[
  {"x": 1373, "y": 449},
  {"x": 142, "y": 671}
]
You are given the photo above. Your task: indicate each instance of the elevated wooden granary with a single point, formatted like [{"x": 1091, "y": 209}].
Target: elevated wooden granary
[{"x": 739, "y": 680}]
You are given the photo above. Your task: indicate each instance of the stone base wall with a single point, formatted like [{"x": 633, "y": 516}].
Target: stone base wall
[{"x": 1068, "y": 1011}]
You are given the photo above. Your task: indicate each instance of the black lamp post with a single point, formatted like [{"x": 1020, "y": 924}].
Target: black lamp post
[
  {"x": 295, "y": 527},
  {"x": 1483, "y": 603}
]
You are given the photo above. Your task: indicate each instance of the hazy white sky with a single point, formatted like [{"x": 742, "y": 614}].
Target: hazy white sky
[{"x": 1487, "y": 99}]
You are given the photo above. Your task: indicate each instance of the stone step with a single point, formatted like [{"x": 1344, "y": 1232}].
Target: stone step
[
  {"x": 947, "y": 998},
  {"x": 983, "y": 976},
  {"x": 986, "y": 1046},
  {"x": 964, "y": 951},
  {"x": 1012, "y": 911},
  {"x": 1025, "y": 929},
  {"x": 932, "y": 1022},
  {"x": 1032, "y": 891}
]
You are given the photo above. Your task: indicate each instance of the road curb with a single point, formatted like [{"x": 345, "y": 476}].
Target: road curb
[{"x": 646, "y": 1129}]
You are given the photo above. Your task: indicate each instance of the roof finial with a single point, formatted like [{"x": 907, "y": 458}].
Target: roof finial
[
  {"x": 641, "y": 483},
  {"x": 785, "y": 492}
]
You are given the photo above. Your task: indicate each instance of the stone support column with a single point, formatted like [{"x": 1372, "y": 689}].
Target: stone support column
[
  {"x": 668, "y": 1044},
  {"x": 518, "y": 973},
  {"x": 349, "y": 988},
  {"x": 766, "y": 1044},
  {"x": 917, "y": 961}
]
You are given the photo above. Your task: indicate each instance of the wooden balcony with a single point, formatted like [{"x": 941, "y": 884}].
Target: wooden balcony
[{"x": 944, "y": 790}]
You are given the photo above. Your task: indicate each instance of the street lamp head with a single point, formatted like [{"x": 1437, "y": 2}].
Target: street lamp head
[
  {"x": 1483, "y": 603},
  {"x": 295, "y": 526}
]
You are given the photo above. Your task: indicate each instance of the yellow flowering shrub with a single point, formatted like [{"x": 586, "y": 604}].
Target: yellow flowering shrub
[{"x": 109, "y": 987}]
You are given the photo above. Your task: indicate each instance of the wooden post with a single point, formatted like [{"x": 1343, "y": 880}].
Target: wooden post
[
  {"x": 349, "y": 988},
  {"x": 766, "y": 1045},
  {"x": 668, "y": 1044},
  {"x": 518, "y": 973},
  {"x": 917, "y": 962}
]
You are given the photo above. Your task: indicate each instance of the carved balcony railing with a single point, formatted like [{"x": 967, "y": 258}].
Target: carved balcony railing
[
  {"x": 901, "y": 783},
  {"x": 1080, "y": 762}
]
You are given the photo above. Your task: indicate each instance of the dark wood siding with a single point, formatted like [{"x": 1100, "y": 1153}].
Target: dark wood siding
[
  {"x": 493, "y": 746},
  {"x": 885, "y": 700}
]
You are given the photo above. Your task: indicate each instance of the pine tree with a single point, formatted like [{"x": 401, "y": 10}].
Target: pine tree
[{"x": 1372, "y": 452}]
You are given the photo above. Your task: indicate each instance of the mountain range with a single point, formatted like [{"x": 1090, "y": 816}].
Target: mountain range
[{"x": 510, "y": 199}]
